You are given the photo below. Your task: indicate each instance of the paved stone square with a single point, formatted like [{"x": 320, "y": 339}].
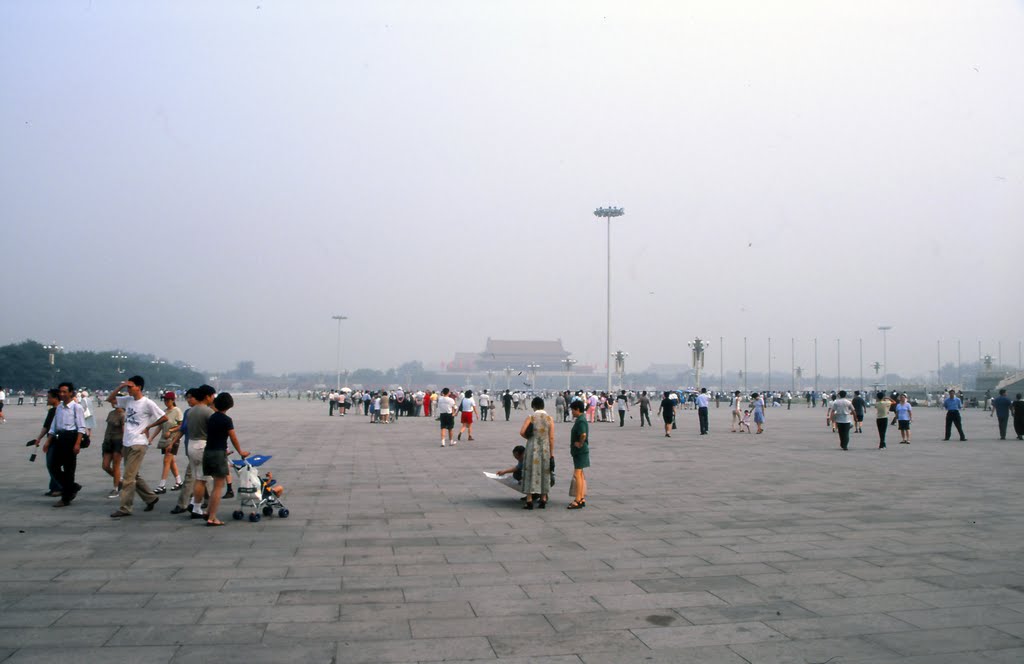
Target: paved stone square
[{"x": 718, "y": 549}]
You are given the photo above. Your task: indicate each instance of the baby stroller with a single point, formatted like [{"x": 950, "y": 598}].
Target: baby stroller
[{"x": 259, "y": 494}]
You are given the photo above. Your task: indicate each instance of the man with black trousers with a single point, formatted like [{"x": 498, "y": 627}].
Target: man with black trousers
[
  {"x": 953, "y": 404},
  {"x": 65, "y": 435},
  {"x": 506, "y": 401},
  {"x": 702, "y": 410}
]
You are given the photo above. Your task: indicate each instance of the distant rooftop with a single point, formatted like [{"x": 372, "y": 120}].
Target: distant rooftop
[{"x": 524, "y": 347}]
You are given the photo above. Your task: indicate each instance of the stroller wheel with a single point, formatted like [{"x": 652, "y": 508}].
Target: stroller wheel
[
  {"x": 268, "y": 511},
  {"x": 283, "y": 513},
  {"x": 254, "y": 517},
  {"x": 237, "y": 515}
]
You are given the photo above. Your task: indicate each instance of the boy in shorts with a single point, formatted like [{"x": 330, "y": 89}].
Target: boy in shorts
[{"x": 446, "y": 414}]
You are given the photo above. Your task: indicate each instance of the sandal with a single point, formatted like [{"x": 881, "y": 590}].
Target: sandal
[
  {"x": 528, "y": 505},
  {"x": 575, "y": 506},
  {"x": 543, "y": 505},
  {"x": 214, "y": 523}
]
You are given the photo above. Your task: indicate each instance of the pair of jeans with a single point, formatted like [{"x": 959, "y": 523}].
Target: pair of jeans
[{"x": 645, "y": 414}]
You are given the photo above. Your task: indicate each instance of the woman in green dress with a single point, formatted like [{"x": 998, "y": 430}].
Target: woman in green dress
[
  {"x": 580, "y": 449},
  {"x": 539, "y": 461}
]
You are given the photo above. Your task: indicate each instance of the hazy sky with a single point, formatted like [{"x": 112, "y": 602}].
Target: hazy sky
[{"x": 210, "y": 182}]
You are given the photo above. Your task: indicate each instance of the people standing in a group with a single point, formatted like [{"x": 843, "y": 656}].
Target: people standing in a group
[
  {"x": 579, "y": 448},
  {"x": 842, "y": 414},
  {"x": 140, "y": 415},
  {"x": 446, "y": 414},
  {"x": 65, "y": 436},
  {"x": 904, "y": 416},
  {"x": 1001, "y": 410},
  {"x": 953, "y": 405},
  {"x": 737, "y": 410},
  {"x": 506, "y": 402},
  {"x": 645, "y": 409},
  {"x": 883, "y": 405},
  {"x": 195, "y": 427},
  {"x": 667, "y": 410},
  {"x": 169, "y": 447},
  {"x": 702, "y": 410},
  {"x": 622, "y": 405},
  {"x": 592, "y": 401},
  {"x": 539, "y": 461},
  {"x": 485, "y": 405},
  {"x": 859, "y": 406},
  {"x": 467, "y": 410},
  {"x": 757, "y": 403}
]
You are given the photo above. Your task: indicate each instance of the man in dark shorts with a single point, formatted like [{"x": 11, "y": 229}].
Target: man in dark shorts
[
  {"x": 859, "y": 406},
  {"x": 667, "y": 410},
  {"x": 446, "y": 415}
]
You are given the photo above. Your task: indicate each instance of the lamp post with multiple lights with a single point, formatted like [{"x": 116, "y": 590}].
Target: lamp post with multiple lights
[
  {"x": 885, "y": 356},
  {"x": 568, "y": 364},
  {"x": 620, "y": 365},
  {"x": 119, "y": 356},
  {"x": 608, "y": 213},
  {"x": 337, "y": 360},
  {"x": 697, "y": 348}
]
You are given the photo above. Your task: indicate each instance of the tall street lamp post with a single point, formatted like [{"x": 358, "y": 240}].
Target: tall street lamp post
[
  {"x": 508, "y": 377},
  {"x": 532, "y": 368},
  {"x": 620, "y": 365},
  {"x": 697, "y": 348},
  {"x": 337, "y": 358},
  {"x": 567, "y": 363},
  {"x": 119, "y": 357},
  {"x": 608, "y": 213},
  {"x": 51, "y": 351},
  {"x": 885, "y": 356}
]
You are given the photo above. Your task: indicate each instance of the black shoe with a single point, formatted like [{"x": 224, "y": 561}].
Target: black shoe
[
  {"x": 118, "y": 514},
  {"x": 199, "y": 515},
  {"x": 178, "y": 509},
  {"x": 963, "y": 440},
  {"x": 228, "y": 494},
  {"x": 528, "y": 506},
  {"x": 53, "y": 494},
  {"x": 160, "y": 490},
  {"x": 150, "y": 506}
]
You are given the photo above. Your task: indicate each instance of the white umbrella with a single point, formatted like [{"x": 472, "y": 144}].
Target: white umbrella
[{"x": 346, "y": 390}]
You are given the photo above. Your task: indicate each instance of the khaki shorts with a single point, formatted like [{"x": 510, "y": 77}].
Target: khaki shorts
[{"x": 195, "y": 459}]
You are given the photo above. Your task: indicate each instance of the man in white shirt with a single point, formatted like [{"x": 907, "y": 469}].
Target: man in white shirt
[
  {"x": 446, "y": 414},
  {"x": 65, "y": 435},
  {"x": 140, "y": 415},
  {"x": 841, "y": 413},
  {"x": 702, "y": 410},
  {"x": 3, "y": 397},
  {"x": 485, "y": 405}
]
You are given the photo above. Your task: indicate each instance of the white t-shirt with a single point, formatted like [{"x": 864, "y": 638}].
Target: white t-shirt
[
  {"x": 445, "y": 405},
  {"x": 842, "y": 411},
  {"x": 139, "y": 414},
  {"x": 485, "y": 400},
  {"x": 467, "y": 405},
  {"x": 3, "y": 396}
]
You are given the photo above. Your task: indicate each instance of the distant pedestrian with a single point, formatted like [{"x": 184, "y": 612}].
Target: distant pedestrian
[
  {"x": 702, "y": 401},
  {"x": 645, "y": 409},
  {"x": 622, "y": 405},
  {"x": 904, "y": 415},
  {"x": 859, "y": 406},
  {"x": 883, "y": 405},
  {"x": 667, "y": 410},
  {"x": 446, "y": 414},
  {"x": 842, "y": 414},
  {"x": 1018, "y": 416},
  {"x": 737, "y": 410},
  {"x": 953, "y": 405},
  {"x": 506, "y": 402},
  {"x": 1001, "y": 410},
  {"x": 467, "y": 411},
  {"x": 758, "y": 406}
]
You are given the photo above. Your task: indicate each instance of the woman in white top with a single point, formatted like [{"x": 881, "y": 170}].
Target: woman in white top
[
  {"x": 737, "y": 411},
  {"x": 467, "y": 409}
]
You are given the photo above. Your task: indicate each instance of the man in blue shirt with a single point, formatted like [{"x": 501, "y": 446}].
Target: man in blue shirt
[
  {"x": 1001, "y": 409},
  {"x": 953, "y": 405}
]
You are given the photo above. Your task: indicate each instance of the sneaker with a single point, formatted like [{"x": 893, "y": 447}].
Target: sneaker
[
  {"x": 160, "y": 490},
  {"x": 228, "y": 494},
  {"x": 442, "y": 443},
  {"x": 114, "y": 493},
  {"x": 177, "y": 487}
]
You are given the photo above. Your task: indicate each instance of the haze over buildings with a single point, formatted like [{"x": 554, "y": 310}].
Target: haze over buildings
[{"x": 211, "y": 182}]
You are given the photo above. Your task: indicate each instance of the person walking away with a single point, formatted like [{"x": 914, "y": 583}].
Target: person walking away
[
  {"x": 167, "y": 446},
  {"x": 883, "y": 405},
  {"x": 859, "y": 405},
  {"x": 506, "y": 402},
  {"x": 622, "y": 405},
  {"x": 667, "y": 410},
  {"x": 1001, "y": 410},
  {"x": 904, "y": 415},
  {"x": 953, "y": 405},
  {"x": 579, "y": 447},
  {"x": 65, "y": 435},
  {"x": 485, "y": 405},
  {"x": 446, "y": 415},
  {"x": 702, "y": 410},
  {"x": 140, "y": 415},
  {"x": 1017, "y": 409},
  {"x": 737, "y": 410},
  {"x": 842, "y": 414},
  {"x": 467, "y": 409}
]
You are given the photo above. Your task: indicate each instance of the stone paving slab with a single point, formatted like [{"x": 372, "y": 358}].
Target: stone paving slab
[{"x": 721, "y": 549}]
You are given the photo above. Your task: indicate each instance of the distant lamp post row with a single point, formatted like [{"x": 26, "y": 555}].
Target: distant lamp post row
[{"x": 532, "y": 369}]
